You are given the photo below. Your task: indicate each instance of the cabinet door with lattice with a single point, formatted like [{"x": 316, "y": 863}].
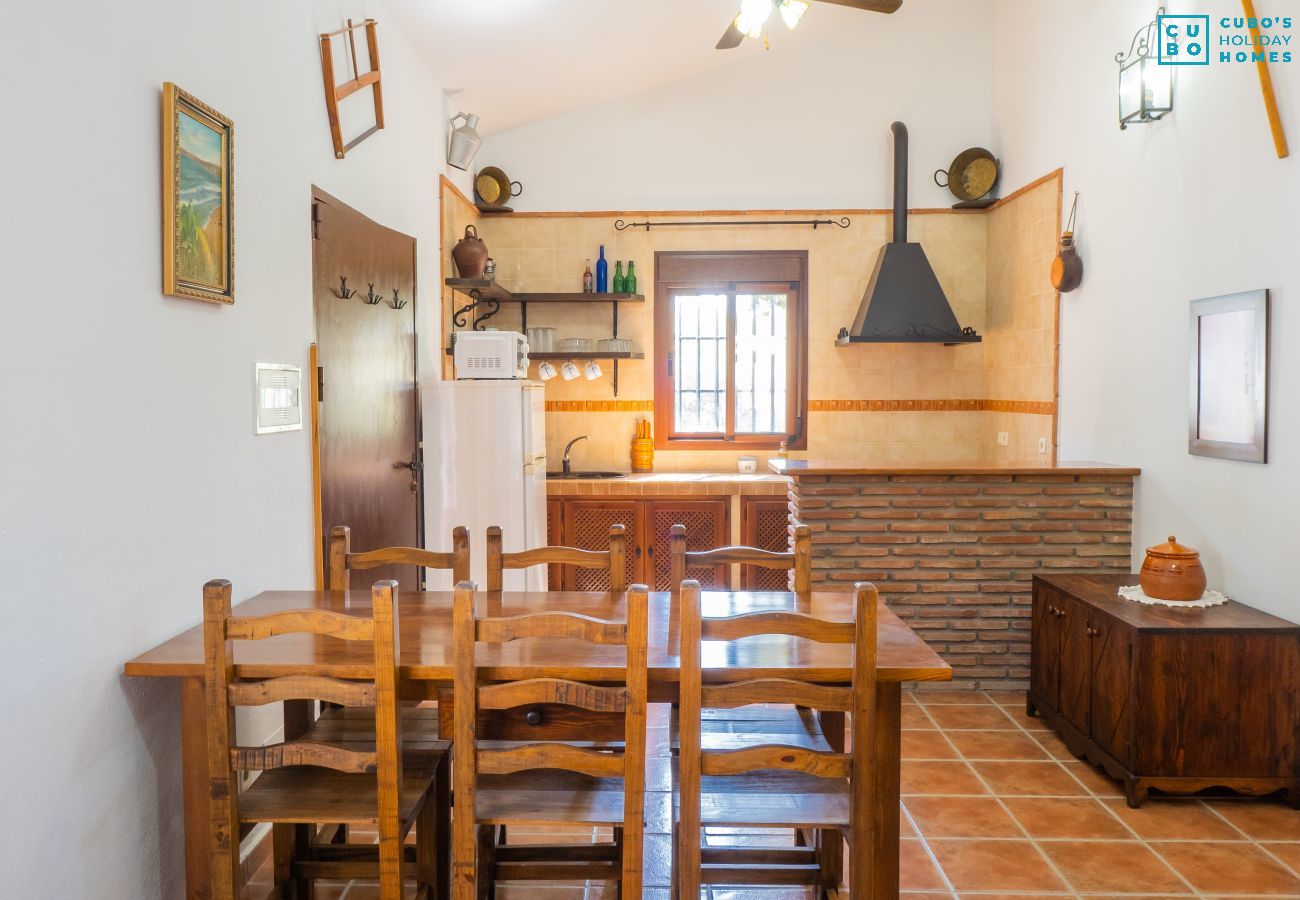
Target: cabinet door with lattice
[
  {"x": 708, "y": 526},
  {"x": 586, "y": 526},
  {"x": 555, "y": 537},
  {"x": 765, "y": 524}
]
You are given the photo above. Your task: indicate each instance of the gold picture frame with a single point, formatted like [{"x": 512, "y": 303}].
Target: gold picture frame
[{"x": 198, "y": 218}]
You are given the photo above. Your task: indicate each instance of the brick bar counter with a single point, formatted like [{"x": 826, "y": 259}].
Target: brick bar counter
[{"x": 953, "y": 546}]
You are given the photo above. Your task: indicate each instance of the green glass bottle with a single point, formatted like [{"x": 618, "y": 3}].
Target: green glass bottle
[
  {"x": 619, "y": 285},
  {"x": 629, "y": 283}
]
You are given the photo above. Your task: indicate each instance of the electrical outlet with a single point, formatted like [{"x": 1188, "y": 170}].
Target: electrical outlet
[
  {"x": 1042, "y": 445},
  {"x": 1003, "y": 438}
]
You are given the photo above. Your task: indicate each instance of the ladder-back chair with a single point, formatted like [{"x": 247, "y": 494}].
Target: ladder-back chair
[
  {"x": 309, "y": 782},
  {"x": 614, "y": 559},
  {"x": 798, "y": 560},
  {"x": 773, "y": 785},
  {"x": 548, "y": 784},
  {"x": 344, "y": 560}
]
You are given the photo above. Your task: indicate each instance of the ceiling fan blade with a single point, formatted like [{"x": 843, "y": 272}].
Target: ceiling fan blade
[
  {"x": 880, "y": 6},
  {"x": 731, "y": 38}
]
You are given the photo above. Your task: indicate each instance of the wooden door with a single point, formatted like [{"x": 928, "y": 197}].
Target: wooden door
[
  {"x": 1045, "y": 647},
  {"x": 368, "y": 415},
  {"x": 1076, "y": 663},
  {"x": 1111, "y": 656},
  {"x": 765, "y": 524},
  {"x": 708, "y": 526},
  {"x": 586, "y": 526}
]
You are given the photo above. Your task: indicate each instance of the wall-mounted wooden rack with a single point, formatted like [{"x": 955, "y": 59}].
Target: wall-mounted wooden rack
[{"x": 486, "y": 297}]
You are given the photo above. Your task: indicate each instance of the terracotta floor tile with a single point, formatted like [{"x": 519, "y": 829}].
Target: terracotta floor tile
[
  {"x": 1105, "y": 866},
  {"x": 1214, "y": 868},
  {"x": 1051, "y": 743},
  {"x": 916, "y": 871},
  {"x": 961, "y": 817},
  {"x": 996, "y": 745},
  {"x": 927, "y": 745},
  {"x": 1094, "y": 778},
  {"x": 939, "y": 778},
  {"x": 990, "y": 865},
  {"x": 915, "y": 717},
  {"x": 1288, "y": 853},
  {"x": 981, "y": 717},
  {"x": 1263, "y": 820},
  {"x": 1036, "y": 779},
  {"x": 1162, "y": 819},
  {"x": 1007, "y": 698},
  {"x": 1026, "y": 721},
  {"x": 1049, "y": 817},
  {"x": 951, "y": 698}
]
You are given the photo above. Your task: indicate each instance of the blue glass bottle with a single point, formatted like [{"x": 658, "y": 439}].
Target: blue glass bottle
[{"x": 602, "y": 273}]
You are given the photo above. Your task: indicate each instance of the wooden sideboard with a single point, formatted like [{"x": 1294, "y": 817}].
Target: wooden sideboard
[{"x": 1178, "y": 700}]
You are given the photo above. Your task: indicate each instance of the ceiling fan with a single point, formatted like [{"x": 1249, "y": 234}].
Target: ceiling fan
[{"x": 754, "y": 14}]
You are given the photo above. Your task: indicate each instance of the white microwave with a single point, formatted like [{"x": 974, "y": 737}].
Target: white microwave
[{"x": 490, "y": 354}]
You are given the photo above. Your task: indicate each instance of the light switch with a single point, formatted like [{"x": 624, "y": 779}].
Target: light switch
[{"x": 278, "y": 398}]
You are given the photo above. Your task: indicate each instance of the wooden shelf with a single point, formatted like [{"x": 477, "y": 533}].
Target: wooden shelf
[
  {"x": 576, "y": 355},
  {"x": 491, "y": 290}
]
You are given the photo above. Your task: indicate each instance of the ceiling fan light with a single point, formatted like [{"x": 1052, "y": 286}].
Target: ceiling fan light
[
  {"x": 753, "y": 15},
  {"x": 792, "y": 11}
]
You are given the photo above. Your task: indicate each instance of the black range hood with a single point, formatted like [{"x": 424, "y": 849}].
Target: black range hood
[{"x": 903, "y": 302}]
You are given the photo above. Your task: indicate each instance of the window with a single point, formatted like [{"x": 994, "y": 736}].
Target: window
[{"x": 730, "y": 343}]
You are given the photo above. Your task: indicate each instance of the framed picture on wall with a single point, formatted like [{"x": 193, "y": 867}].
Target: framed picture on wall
[
  {"x": 198, "y": 199},
  {"x": 1229, "y": 377}
]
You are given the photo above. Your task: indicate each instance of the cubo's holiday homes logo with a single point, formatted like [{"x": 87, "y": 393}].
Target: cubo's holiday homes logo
[{"x": 1195, "y": 40}]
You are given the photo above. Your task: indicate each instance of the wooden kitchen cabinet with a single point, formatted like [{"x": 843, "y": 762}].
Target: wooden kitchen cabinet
[
  {"x": 765, "y": 524},
  {"x": 1178, "y": 700},
  {"x": 586, "y": 525}
]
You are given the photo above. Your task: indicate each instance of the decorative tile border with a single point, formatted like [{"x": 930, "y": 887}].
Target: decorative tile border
[{"x": 1027, "y": 407}]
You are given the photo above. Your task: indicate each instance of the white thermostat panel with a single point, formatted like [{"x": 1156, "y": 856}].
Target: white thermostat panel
[{"x": 278, "y": 398}]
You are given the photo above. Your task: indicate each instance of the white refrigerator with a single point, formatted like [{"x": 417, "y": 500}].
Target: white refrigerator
[{"x": 485, "y": 464}]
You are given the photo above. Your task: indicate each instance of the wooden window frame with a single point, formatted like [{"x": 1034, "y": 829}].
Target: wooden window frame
[{"x": 731, "y": 272}]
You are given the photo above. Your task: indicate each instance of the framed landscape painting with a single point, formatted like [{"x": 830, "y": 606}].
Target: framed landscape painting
[
  {"x": 1229, "y": 377},
  {"x": 198, "y": 199}
]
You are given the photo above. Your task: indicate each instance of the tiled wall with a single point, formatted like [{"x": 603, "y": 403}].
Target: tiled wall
[
  {"x": 884, "y": 384},
  {"x": 1020, "y": 338}
]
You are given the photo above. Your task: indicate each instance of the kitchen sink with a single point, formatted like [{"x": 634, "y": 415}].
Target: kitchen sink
[{"x": 576, "y": 476}]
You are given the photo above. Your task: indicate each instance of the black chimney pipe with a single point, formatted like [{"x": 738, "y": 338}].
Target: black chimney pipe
[{"x": 900, "y": 182}]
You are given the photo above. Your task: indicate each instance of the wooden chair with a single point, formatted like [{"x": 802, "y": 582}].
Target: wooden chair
[
  {"x": 615, "y": 558},
  {"x": 798, "y": 560},
  {"x": 775, "y": 785},
  {"x": 547, "y": 784},
  {"x": 377, "y": 783},
  {"x": 343, "y": 560}
]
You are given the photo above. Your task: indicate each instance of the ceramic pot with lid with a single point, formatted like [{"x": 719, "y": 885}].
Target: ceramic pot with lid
[
  {"x": 470, "y": 254},
  {"x": 1172, "y": 572}
]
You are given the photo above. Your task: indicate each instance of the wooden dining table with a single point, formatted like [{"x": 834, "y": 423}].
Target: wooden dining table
[{"x": 426, "y": 660}]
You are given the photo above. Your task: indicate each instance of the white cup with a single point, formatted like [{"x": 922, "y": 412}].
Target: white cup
[
  {"x": 569, "y": 371},
  {"x": 546, "y": 371},
  {"x": 592, "y": 370}
]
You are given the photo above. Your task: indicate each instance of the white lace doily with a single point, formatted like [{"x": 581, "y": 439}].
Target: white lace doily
[{"x": 1137, "y": 595}]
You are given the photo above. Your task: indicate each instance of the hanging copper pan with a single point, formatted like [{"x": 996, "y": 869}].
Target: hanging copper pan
[{"x": 493, "y": 187}]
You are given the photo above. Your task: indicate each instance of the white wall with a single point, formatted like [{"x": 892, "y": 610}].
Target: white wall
[
  {"x": 1196, "y": 205},
  {"x": 129, "y": 473},
  {"x": 805, "y": 125}
]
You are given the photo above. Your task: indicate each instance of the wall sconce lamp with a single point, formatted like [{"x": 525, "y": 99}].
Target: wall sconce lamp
[
  {"x": 1146, "y": 88},
  {"x": 464, "y": 141}
]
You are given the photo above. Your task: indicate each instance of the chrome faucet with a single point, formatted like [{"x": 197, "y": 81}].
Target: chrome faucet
[{"x": 565, "y": 465}]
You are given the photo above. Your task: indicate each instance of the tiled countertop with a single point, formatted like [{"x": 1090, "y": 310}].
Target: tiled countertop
[{"x": 673, "y": 483}]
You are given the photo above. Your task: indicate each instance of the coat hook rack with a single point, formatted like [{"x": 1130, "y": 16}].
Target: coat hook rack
[
  {"x": 841, "y": 222},
  {"x": 343, "y": 292},
  {"x": 372, "y": 298},
  {"x": 398, "y": 302}
]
